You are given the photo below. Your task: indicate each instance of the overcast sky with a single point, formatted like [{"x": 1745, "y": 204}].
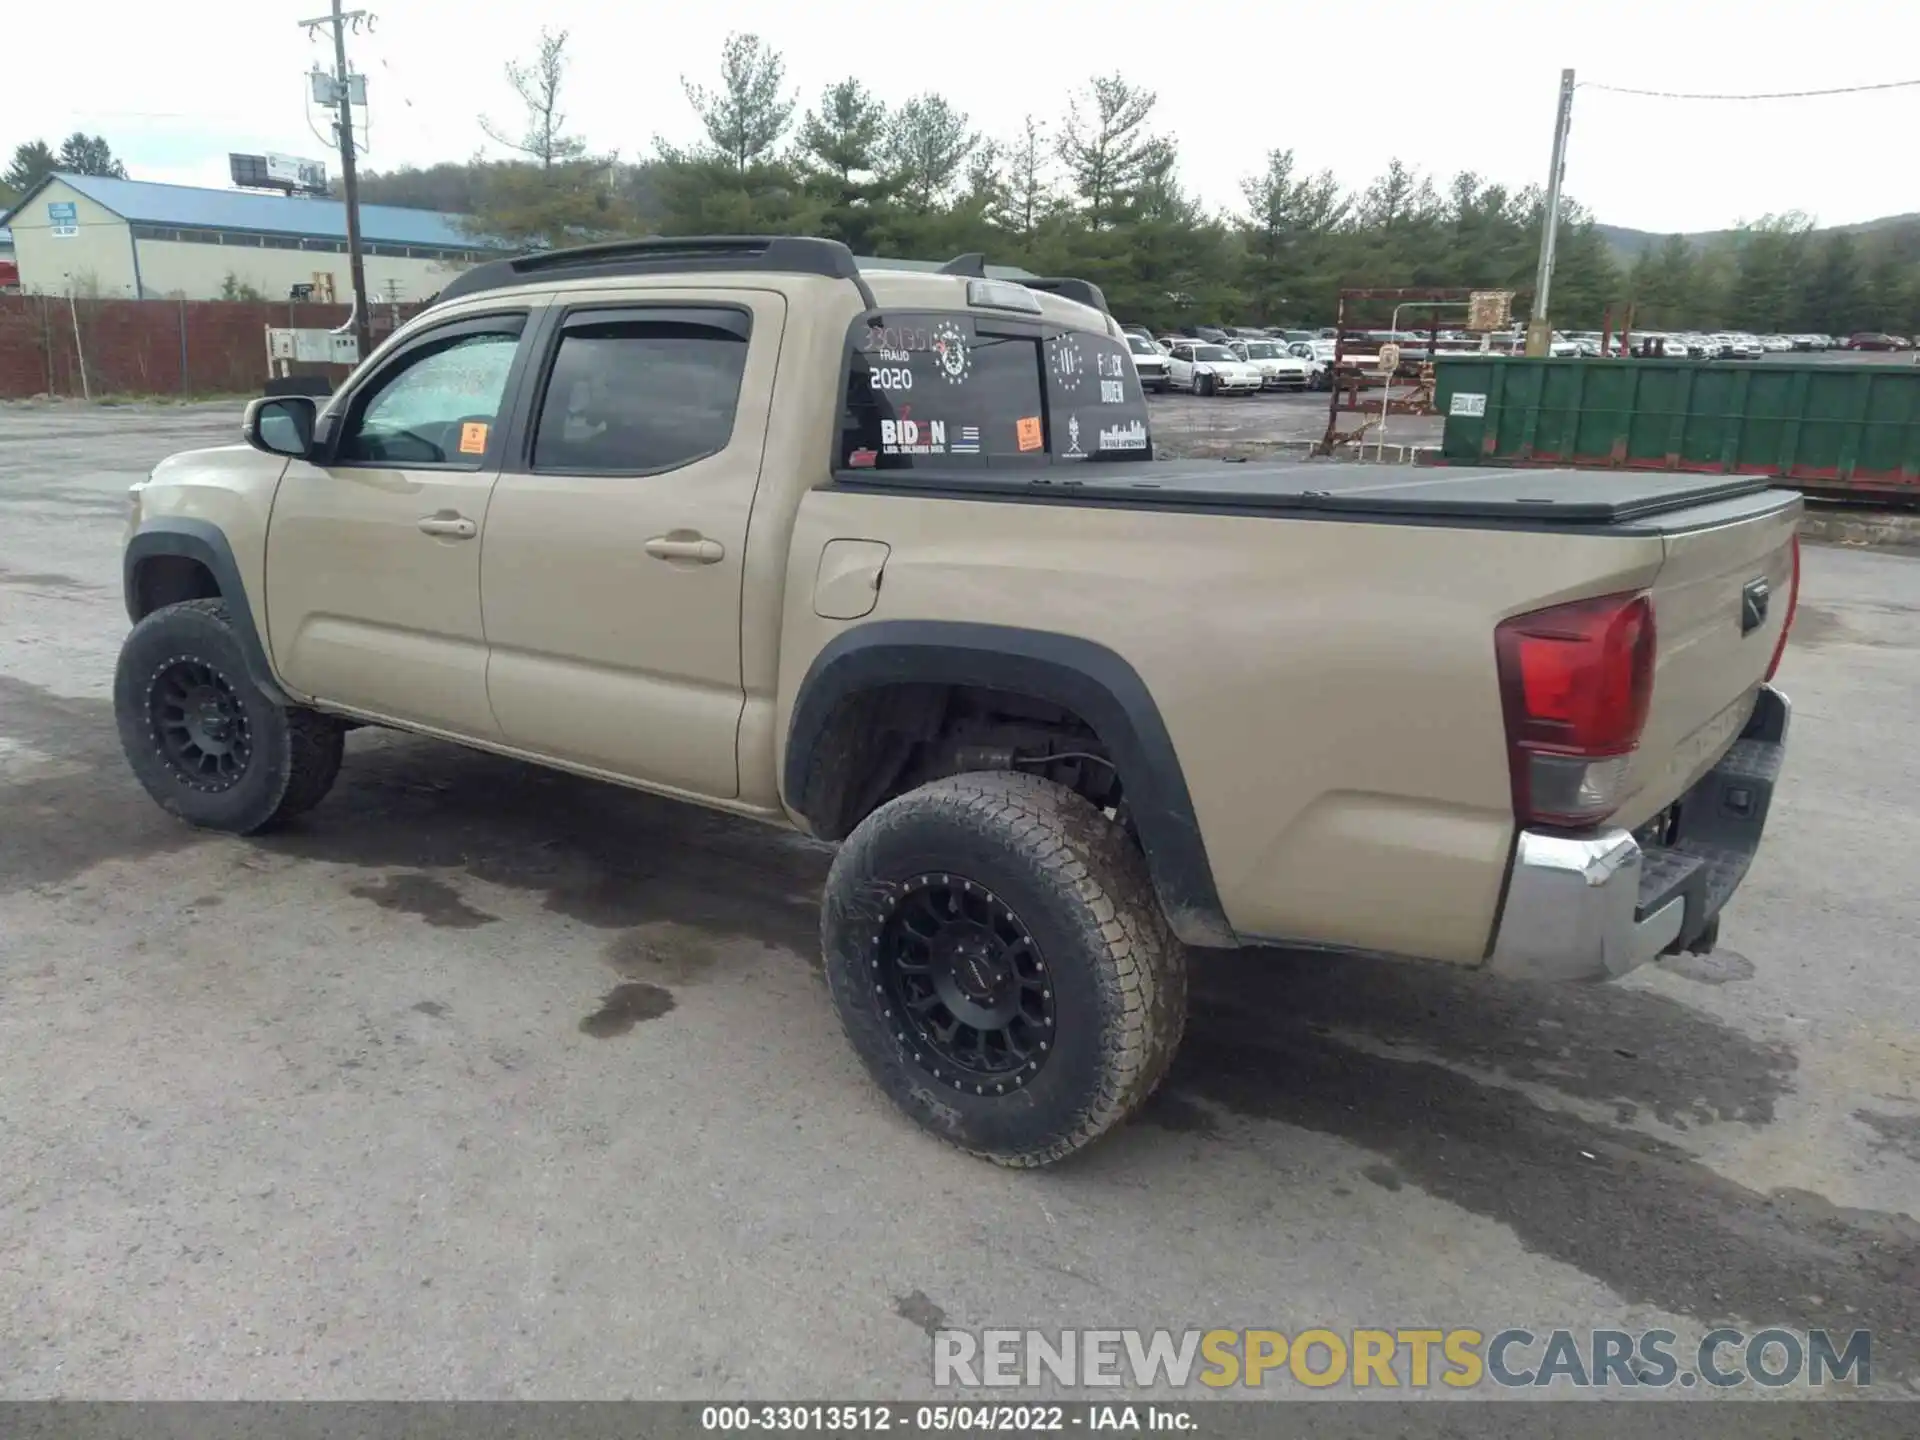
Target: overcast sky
[{"x": 1465, "y": 84}]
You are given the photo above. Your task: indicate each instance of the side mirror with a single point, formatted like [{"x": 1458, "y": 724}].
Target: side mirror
[{"x": 281, "y": 425}]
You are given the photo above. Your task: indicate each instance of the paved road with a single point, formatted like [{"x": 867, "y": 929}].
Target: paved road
[{"x": 485, "y": 1082}]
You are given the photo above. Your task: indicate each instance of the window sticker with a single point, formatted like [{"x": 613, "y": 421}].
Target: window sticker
[
  {"x": 473, "y": 438},
  {"x": 954, "y": 354},
  {"x": 1027, "y": 429},
  {"x": 1123, "y": 437},
  {"x": 907, "y": 436},
  {"x": 1069, "y": 363}
]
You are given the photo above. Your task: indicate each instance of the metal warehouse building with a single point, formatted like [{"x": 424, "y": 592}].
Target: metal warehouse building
[{"x": 100, "y": 237}]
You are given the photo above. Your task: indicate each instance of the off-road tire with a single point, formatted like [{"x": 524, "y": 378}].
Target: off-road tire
[
  {"x": 1079, "y": 885},
  {"x": 293, "y": 754}
]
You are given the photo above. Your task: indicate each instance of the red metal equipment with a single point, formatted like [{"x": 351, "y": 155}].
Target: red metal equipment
[{"x": 1410, "y": 388}]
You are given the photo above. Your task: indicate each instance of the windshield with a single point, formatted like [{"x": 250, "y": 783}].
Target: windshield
[
  {"x": 1213, "y": 352},
  {"x": 1263, "y": 350},
  {"x": 1142, "y": 347}
]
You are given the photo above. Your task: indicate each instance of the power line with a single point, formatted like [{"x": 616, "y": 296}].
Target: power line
[{"x": 1772, "y": 95}]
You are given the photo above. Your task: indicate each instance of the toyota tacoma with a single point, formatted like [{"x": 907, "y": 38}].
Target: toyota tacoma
[{"x": 885, "y": 556}]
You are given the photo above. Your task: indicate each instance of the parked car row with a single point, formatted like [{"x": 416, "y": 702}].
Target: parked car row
[
  {"x": 1742, "y": 345},
  {"x": 1238, "y": 359},
  {"x": 1240, "y": 363}
]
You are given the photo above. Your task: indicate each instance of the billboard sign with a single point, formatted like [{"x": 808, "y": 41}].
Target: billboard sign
[
  {"x": 63, "y": 219},
  {"x": 297, "y": 173},
  {"x": 287, "y": 173}
]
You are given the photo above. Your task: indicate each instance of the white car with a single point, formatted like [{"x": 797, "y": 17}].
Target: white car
[
  {"x": 1208, "y": 369},
  {"x": 1776, "y": 344},
  {"x": 1279, "y": 370},
  {"x": 1319, "y": 357},
  {"x": 1150, "y": 364}
]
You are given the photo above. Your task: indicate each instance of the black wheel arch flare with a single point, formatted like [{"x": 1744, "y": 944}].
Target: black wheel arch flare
[
  {"x": 1079, "y": 675},
  {"x": 204, "y": 543}
]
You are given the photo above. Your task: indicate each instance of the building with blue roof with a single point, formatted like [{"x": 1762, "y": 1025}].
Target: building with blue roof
[{"x": 134, "y": 239}]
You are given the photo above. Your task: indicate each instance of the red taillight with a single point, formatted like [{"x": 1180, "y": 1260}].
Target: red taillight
[
  {"x": 1575, "y": 681},
  {"x": 1793, "y": 605}
]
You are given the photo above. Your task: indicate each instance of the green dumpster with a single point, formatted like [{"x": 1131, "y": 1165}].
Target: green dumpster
[{"x": 1847, "y": 428}]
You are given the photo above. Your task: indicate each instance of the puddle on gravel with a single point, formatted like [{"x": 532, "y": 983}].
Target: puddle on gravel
[
  {"x": 597, "y": 854},
  {"x": 70, "y": 801},
  {"x": 625, "y": 1006},
  {"x": 665, "y": 954},
  {"x": 917, "y": 1309},
  {"x": 1898, "y": 1134},
  {"x": 433, "y": 901}
]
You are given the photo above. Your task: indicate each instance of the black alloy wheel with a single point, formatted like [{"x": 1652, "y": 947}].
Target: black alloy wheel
[
  {"x": 200, "y": 724},
  {"x": 966, "y": 984}
]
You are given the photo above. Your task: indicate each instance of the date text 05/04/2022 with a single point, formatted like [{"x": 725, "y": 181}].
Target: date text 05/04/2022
[{"x": 943, "y": 1419}]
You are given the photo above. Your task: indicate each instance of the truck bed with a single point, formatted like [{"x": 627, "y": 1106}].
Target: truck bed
[{"x": 1575, "y": 498}]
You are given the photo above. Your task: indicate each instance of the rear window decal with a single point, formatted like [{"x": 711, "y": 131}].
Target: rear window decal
[
  {"x": 954, "y": 354},
  {"x": 1073, "y": 450},
  {"x": 968, "y": 442},
  {"x": 1124, "y": 437},
  {"x": 1027, "y": 428},
  {"x": 907, "y": 436},
  {"x": 1069, "y": 363}
]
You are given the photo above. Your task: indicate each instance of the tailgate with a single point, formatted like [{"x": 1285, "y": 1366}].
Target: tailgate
[{"x": 1719, "y": 603}]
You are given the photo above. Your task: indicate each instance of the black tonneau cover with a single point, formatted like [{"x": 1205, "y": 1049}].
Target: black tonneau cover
[{"x": 1560, "y": 497}]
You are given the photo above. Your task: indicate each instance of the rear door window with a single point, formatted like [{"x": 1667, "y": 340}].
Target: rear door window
[{"x": 641, "y": 392}]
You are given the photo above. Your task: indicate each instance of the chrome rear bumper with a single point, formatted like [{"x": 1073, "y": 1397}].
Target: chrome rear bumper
[{"x": 1593, "y": 906}]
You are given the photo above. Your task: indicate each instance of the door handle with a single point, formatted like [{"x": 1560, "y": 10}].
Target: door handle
[
  {"x": 685, "y": 545},
  {"x": 453, "y": 527}
]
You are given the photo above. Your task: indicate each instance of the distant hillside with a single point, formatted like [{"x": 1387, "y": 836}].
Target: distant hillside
[{"x": 1627, "y": 244}]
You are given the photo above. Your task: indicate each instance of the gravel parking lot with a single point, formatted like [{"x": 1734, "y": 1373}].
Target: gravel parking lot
[
  {"x": 1283, "y": 421},
  {"x": 486, "y": 1082}
]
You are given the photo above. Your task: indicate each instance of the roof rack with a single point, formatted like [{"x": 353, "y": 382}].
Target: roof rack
[{"x": 667, "y": 254}]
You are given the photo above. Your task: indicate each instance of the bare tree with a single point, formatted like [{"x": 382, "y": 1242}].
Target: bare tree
[
  {"x": 748, "y": 113},
  {"x": 1029, "y": 191},
  {"x": 544, "y": 139}
]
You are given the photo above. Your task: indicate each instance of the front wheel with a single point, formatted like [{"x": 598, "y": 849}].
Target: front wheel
[
  {"x": 203, "y": 739},
  {"x": 1001, "y": 965}
]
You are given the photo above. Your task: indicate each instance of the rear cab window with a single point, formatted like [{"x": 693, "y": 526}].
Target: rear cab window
[{"x": 950, "y": 390}]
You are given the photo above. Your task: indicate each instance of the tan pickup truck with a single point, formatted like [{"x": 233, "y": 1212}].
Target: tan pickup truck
[{"x": 885, "y": 555}]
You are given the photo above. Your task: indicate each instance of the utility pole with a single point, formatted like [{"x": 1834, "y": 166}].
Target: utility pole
[
  {"x": 341, "y": 93},
  {"x": 1540, "y": 328}
]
